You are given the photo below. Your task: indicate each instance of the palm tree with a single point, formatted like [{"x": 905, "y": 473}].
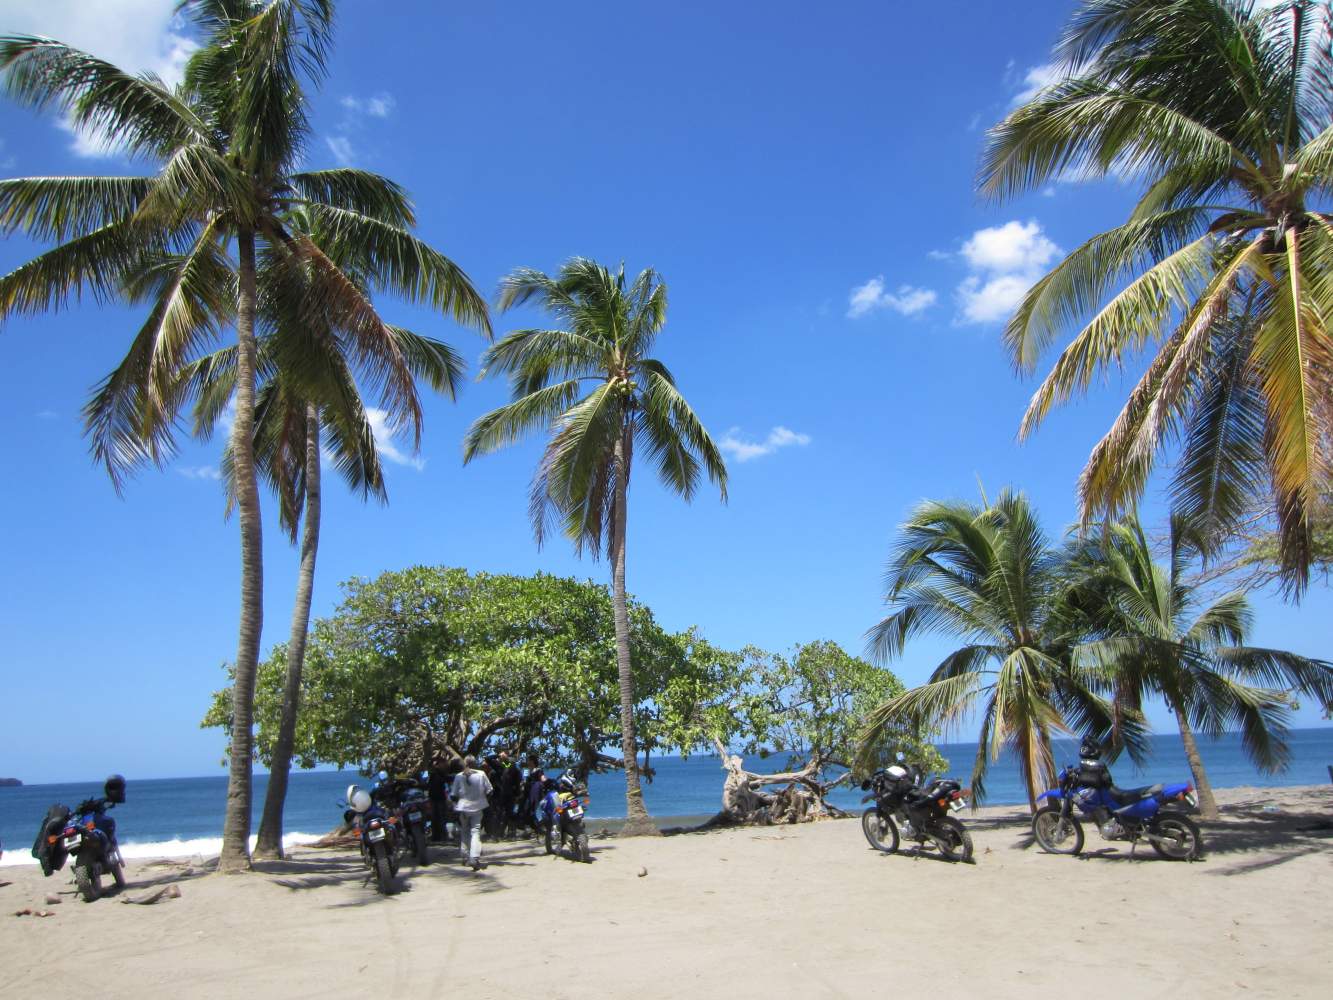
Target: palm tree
[
  {"x": 228, "y": 140},
  {"x": 584, "y": 474},
  {"x": 1222, "y": 109},
  {"x": 1163, "y": 637},
  {"x": 308, "y": 386},
  {"x": 986, "y": 574}
]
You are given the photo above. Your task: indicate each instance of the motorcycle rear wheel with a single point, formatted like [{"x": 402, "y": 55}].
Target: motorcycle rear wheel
[
  {"x": 952, "y": 838},
  {"x": 582, "y": 852},
  {"x": 1184, "y": 840},
  {"x": 881, "y": 831},
  {"x": 419, "y": 842},
  {"x": 1057, "y": 834},
  {"x": 383, "y": 872},
  {"x": 89, "y": 882}
]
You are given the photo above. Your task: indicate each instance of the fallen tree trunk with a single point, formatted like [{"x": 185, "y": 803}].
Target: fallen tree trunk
[{"x": 743, "y": 802}]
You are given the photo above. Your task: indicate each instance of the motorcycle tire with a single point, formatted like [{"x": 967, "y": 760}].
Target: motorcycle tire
[
  {"x": 881, "y": 831},
  {"x": 1184, "y": 839},
  {"x": 383, "y": 872},
  {"x": 952, "y": 838},
  {"x": 89, "y": 882},
  {"x": 550, "y": 839},
  {"x": 1047, "y": 823},
  {"x": 581, "y": 850},
  {"x": 419, "y": 842}
]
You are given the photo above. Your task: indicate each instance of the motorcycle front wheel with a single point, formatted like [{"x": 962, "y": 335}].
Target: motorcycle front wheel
[
  {"x": 1056, "y": 833},
  {"x": 1176, "y": 837},
  {"x": 383, "y": 871},
  {"x": 89, "y": 881},
  {"x": 952, "y": 838},
  {"x": 550, "y": 839},
  {"x": 880, "y": 830}
]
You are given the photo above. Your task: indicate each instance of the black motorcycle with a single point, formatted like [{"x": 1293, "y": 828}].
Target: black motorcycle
[
  {"x": 908, "y": 806},
  {"x": 86, "y": 838},
  {"x": 377, "y": 833},
  {"x": 405, "y": 799}
]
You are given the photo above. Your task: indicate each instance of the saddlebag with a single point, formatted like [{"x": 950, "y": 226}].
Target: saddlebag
[{"x": 51, "y": 856}]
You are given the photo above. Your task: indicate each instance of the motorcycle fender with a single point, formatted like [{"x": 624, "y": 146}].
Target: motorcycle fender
[{"x": 1054, "y": 794}]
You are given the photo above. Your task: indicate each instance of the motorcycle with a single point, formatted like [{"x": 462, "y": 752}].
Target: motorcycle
[
  {"x": 1155, "y": 813},
  {"x": 562, "y": 812},
  {"x": 377, "y": 832},
  {"x": 405, "y": 799},
  {"x": 87, "y": 838},
  {"x": 906, "y": 805}
]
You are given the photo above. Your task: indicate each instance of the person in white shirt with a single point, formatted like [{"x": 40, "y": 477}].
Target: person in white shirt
[{"x": 471, "y": 793}]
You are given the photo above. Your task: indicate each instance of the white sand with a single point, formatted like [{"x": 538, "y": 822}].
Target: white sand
[{"x": 806, "y": 911}]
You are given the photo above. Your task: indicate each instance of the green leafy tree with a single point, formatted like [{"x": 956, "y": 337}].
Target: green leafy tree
[
  {"x": 227, "y": 143},
  {"x": 609, "y": 326},
  {"x": 987, "y": 575},
  {"x": 1222, "y": 108},
  {"x": 431, "y": 663},
  {"x": 1161, "y": 636}
]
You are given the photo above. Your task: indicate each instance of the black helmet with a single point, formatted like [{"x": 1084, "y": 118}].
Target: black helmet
[
  {"x": 1089, "y": 749},
  {"x": 115, "y": 788}
]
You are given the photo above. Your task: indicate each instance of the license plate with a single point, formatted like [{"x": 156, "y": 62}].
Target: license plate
[
  {"x": 414, "y": 817},
  {"x": 956, "y": 805},
  {"x": 70, "y": 843},
  {"x": 575, "y": 812},
  {"x": 375, "y": 835}
]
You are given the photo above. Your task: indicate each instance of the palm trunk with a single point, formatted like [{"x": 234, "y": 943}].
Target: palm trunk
[
  {"x": 235, "y": 854},
  {"x": 1207, "y": 804},
  {"x": 637, "y": 822},
  {"x": 269, "y": 842}
]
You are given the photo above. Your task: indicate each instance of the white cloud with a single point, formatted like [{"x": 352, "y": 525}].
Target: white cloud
[
  {"x": 199, "y": 471},
  {"x": 341, "y": 148},
  {"x": 872, "y": 295},
  {"x": 1037, "y": 79},
  {"x": 742, "y": 450},
  {"x": 136, "y": 35},
  {"x": 1005, "y": 262},
  {"x": 380, "y": 105},
  {"x": 1015, "y": 246},
  {"x": 384, "y": 443}
]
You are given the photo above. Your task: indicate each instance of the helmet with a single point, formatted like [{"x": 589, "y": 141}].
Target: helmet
[
  {"x": 1089, "y": 749},
  {"x": 896, "y": 771},
  {"x": 358, "y": 798},
  {"x": 567, "y": 782},
  {"x": 382, "y": 776},
  {"x": 115, "y": 788}
]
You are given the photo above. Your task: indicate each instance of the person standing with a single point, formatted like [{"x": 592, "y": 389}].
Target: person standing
[{"x": 471, "y": 794}]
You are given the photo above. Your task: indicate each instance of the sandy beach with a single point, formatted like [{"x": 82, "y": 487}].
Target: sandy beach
[{"x": 806, "y": 911}]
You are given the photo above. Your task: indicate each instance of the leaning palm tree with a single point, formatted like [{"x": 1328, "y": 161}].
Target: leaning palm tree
[
  {"x": 986, "y": 574},
  {"x": 1161, "y": 636},
  {"x": 308, "y": 402},
  {"x": 1222, "y": 109},
  {"x": 609, "y": 326},
  {"x": 228, "y": 142}
]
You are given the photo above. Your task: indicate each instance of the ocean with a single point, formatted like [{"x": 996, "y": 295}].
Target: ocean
[{"x": 182, "y": 817}]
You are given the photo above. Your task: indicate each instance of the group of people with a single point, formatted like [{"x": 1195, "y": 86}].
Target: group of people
[{"x": 496, "y": 795}]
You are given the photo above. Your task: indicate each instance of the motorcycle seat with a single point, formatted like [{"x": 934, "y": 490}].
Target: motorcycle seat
[{"x": 1127, "y": 796}]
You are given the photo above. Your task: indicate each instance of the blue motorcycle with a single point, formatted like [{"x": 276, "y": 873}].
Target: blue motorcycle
[
  {"x": 87, "y": 837},
  {"x": 1155, "y": 813}
]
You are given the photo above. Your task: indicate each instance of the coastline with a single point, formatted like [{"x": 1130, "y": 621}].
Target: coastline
[{"x": 804, "y": 910}]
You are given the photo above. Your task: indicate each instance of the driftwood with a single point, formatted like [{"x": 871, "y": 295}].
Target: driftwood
[{"x": 744, "y": 803}]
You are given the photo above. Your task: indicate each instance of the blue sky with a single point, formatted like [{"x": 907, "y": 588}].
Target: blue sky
[{"x": 803, "y": 177}]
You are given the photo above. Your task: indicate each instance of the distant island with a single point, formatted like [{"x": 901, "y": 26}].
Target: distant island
[{"x": 10, "y": 783}]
